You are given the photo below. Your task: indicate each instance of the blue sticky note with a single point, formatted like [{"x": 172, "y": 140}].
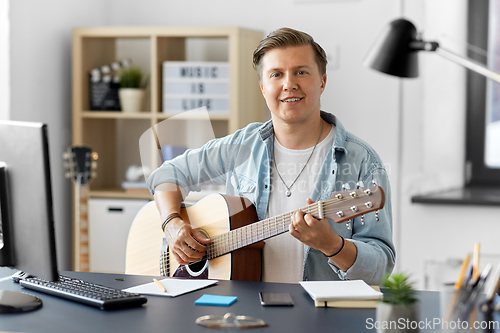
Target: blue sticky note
[{"x": 215, "y": 300}]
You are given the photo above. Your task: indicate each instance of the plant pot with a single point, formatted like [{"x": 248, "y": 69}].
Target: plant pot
[
  {"x": 131, "y": 99},
  {"x": 397, "y": 318}
]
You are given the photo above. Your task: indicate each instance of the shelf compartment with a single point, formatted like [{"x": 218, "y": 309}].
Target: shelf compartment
[
  {"x": 119, "y": 193},
  {"x": 115, "y": 115}
]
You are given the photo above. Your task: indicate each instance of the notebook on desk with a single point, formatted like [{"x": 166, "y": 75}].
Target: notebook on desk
[{"x": 351, "y": 294}]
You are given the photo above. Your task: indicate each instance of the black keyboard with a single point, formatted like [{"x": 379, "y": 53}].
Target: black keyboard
[{"x": 84, "y": 292}]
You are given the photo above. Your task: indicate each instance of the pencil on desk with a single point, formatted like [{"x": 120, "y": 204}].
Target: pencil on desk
[
  {"x": 494, "y": 285},
  {"x": 460, "y": 280},
  {"x": 458, "y": 285},
  {"x": 475, "y": 263},
  {"x": 160, "y": 285}
]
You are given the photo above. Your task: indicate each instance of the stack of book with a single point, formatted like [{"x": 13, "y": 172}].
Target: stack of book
[
  {"x": 342, "y": 294},
  {"x": 189, "y": 85}
]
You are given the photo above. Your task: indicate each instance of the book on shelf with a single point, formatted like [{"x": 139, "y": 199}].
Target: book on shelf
[
  {"x": 352, "y": 294},
  {"x": 171, "y": 151},
  {"x": 135, "y": 187}
]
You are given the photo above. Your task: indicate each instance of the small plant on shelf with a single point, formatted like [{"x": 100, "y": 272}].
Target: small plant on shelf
[
  {"x": 131, "y": 90},
  {"x": 131, "y": 77}
]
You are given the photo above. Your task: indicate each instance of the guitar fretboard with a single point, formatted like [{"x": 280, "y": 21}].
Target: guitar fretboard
[
  {"x": 344, "y": 206},
  {"x": 247, "y": 235},
  {"x": 82, "y": 234}
]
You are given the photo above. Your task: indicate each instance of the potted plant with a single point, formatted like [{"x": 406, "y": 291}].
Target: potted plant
[
  {"x": 132, "y": 89},
  {"x": 397, "y": 311}
]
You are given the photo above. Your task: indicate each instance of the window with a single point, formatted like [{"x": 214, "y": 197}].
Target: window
[
  {"x": 483, "y": 95},
  {"x": 482, "y": 177}
]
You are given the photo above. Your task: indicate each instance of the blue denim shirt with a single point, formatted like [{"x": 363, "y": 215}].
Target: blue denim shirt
[{"x": 242, "y": 162}]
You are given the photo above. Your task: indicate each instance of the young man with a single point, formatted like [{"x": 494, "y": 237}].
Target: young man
[{"x": 300, "y": 156}]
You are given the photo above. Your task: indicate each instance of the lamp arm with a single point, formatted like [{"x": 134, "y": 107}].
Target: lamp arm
[{"x": 468, "y": 63}]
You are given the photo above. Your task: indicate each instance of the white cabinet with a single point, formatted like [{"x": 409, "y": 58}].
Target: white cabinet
[{"x": 109, "y": 224}]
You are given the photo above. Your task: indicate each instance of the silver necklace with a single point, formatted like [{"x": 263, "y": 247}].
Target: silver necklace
[{"x": 288, "y": 193}]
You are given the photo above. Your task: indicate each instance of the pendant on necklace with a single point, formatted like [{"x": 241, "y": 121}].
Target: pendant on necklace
[{"x": 288, "y": 193}]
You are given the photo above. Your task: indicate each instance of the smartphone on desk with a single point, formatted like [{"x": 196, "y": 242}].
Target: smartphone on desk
[{"x": 275, "y": 299}]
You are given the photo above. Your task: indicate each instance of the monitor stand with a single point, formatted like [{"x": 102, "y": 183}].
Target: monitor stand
[{"x": 14, "y": 302}]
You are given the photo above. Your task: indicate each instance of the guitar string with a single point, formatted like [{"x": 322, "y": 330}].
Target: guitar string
[
  {"x": 312, "y": 209},
  {"x": 262, "y": 234},
  {"x": 217, "y": 240},
  {"x": 264, "y": 229},
  {"x": 271, "y": 231}
]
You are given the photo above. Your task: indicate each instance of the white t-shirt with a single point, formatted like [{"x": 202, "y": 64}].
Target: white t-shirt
[{"x": 284, "y": 255}]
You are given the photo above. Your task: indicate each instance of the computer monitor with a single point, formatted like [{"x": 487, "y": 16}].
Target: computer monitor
[{"x": 26, "y": 213}]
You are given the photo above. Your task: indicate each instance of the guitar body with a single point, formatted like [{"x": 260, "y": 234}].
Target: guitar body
[
  {"x": 217, "y": 214},
  {"x": 213, "y": 215}
]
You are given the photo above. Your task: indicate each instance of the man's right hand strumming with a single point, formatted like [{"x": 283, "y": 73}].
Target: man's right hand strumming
[{"x": 186, "y": 244}]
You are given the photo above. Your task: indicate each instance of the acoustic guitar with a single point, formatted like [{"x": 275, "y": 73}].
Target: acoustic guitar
[
  {"x": 80, "y": 162},
  {"x": 236, "y": 239}
]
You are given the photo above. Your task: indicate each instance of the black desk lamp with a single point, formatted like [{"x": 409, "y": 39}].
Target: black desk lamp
[{"x": 395, "y": 52}]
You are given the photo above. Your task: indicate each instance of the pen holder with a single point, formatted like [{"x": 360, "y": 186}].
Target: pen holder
[
  {"x": 456, "y": 306},
  {"x": 447, "y": 296}
]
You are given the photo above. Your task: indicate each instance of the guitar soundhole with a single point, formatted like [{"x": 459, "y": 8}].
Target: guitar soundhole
[{"x": 197, "y": 270}]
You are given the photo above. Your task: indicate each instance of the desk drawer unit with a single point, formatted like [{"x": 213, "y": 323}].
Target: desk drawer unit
[{"x": 109, "y": 224}]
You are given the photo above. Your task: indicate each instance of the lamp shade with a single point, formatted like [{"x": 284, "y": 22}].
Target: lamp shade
[{"x": 392, "y": 52}]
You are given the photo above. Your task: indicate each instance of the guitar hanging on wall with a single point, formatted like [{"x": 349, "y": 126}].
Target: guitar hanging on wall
[
  {"x": 81, "y": 163},
  {"x": 228, "y": 222}
]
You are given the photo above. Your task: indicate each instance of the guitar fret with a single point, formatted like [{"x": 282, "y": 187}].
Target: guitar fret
[
  {"x": 237, "y": 234},
  {"x": 234, "y": 240},
  {"x": 255, "y": 232},
  {"x": 242, "y": 242},
  {"x": 245, "y": 238},
  {"x": 219, "y": 245},
  {"x": 248, "y": 236},
  {"x": 222, "y": 246}
]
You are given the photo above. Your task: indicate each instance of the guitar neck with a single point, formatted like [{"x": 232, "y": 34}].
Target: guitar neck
[
  {"x": 341, "y": 207},
  {"x": 82, "y": 262},
  {"x": 253, "y": 233}
]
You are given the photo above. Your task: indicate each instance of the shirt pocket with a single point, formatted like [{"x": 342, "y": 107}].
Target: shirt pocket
[{"x": 244, "y": 186}]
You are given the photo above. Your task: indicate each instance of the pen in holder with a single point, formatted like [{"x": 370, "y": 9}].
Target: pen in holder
[
  {"x": 457, "y": 305},
  {"x": 491, "y": 314}
]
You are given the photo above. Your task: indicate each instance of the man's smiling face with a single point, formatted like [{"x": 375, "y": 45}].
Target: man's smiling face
[{"x": 291, "y": 83}]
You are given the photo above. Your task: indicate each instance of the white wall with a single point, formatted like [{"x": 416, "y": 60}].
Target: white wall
[
  {"x": 4, "y": 61},
  {"x": 434, "y": 149},
  {"x": 40, "y": 66}
]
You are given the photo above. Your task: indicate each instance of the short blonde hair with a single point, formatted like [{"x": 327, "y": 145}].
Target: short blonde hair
[{"x": 285, "y": 37}]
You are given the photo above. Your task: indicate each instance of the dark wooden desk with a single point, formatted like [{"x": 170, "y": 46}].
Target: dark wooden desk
[{"x": 164, "y": 314}]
